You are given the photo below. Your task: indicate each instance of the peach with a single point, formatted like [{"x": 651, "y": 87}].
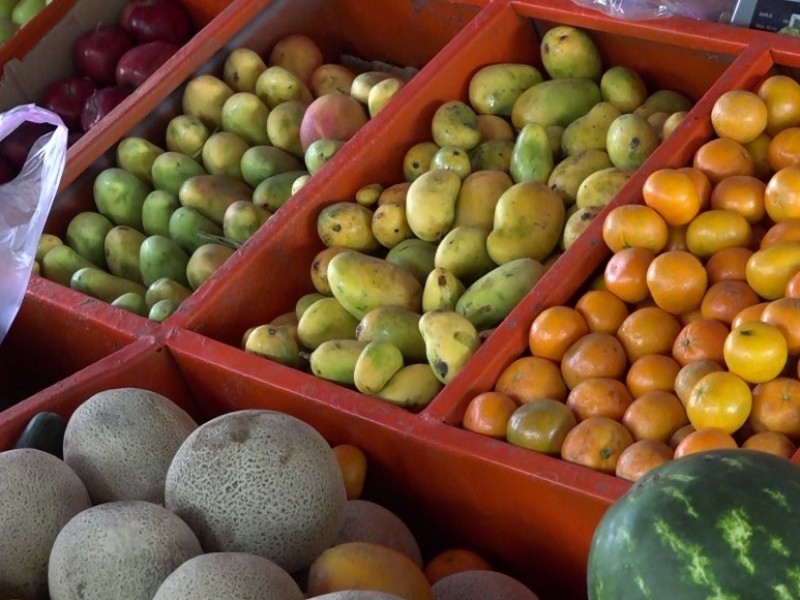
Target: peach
[
  {"x": 334, "y": 116},
  {"x": 297, "y": 53}
]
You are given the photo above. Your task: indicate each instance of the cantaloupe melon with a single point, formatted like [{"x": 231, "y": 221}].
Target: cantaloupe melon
[
  {"x": 38, "y": 496},
  {"x": 121, "y": 441},
  {"x": 366, "y": 521},
  {"x": 481, "y": 585},
  {"x": 229, "y": 575},
  {"x": 118, "y": 550},
  {"x": 258, "y": 481}
]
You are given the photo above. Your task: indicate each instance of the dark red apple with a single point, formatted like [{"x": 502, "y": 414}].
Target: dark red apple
[
  {"x": 97, "y": 52},
  {"x": 66, "y": 97},
  {"x": 100, "y": 103},
  {"x": 15, "y": 147},
  {"x": 157, "y": 20},
  {"x": 138, "y": 63}
]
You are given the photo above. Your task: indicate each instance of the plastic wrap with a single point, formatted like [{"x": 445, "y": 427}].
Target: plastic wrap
[
  {"x": 25, "y": 203},
  {"x": 633, "y": 10}
]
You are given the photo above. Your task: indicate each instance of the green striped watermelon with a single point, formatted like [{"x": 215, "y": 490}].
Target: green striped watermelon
[{"x": 717, "y": 525}]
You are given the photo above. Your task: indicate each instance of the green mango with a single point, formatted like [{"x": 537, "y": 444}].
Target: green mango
[
  {"x": 157, "y": 209},
  {"x": 463, "y": 253},
  {"x": 532, "y": 156},
  {"x": 119, "y": 195},
  {"x": 492, "y": 155},
  {"x": 165, "y": 288},
  {"x": 415, "y": 256},
  {"x": 61, "y": 262},
  {"x": 319, "y": 152},
  {"x": 275, "y": 191},
  {"x": 412, "y": 387},
  {"x": 397, "y": 325},
  {"x": 442, "y": 290},
  {"x": 103, "y": 285},
  {"x": 136, "y": 155},
  {"x": 492, "y": 297},
  {"x": 589, "y": 131},
  {"x": 455, "y": 124},
  {"x": 245, "y": 115},
  {"x": 450, "y": 341},
  {"x": 362, "y": 283},
  {"x": 567, "y": 175},
  {"x": 122, "y": 245},
  {"x": 211, "y": 195},
  {"x": 162, "y": 309},
  {"x": 86, "y": 234},
  {"x": 335, "y": 360},
  {"x": 274, "y": 343},
  {"x": 376, "y": 365},
  {"x": 132, "y": 302},
  {"x": 159, "y": 257},
  {"x": 570, "y": 52},
  {"x": 171, "y": 169},
  {"x": 326, "y": 319},
  {"x": 555, "y": 102},
  {"x": 261, "y": 162},
  {"x": 186, "y": 226},
  {"x": 494, "y": 89}
]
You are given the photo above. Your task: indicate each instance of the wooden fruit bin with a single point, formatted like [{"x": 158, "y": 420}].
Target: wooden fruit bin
[{"x": 531, "y": 513}]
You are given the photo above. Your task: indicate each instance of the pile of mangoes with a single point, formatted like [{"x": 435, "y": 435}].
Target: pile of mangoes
[
  {"x": 167, "y": 216},
  {"x": 414, "y": 274}
]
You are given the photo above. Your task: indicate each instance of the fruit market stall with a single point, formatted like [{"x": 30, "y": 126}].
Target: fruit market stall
[{"x": 512, "y": 270}]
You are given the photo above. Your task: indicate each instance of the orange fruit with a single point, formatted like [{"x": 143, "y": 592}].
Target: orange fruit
[
  {"x": 673, "y": 195},
  {"x": 726, "y": 299},
  {"x": 554, "y": 330},
  {"x": 690, "y": 374},
  {"x": 648, "y": 330},
  {"x": 776, "y": 406},
  {"x": 782, "y": 194},
  {"x": 783, "y": 149},
  {"x": 488, "y": 414},
  {"x": 720, "y": 158},
  {"x": 540, "y": 425},
  {"x": 728, "y": 263},
  {"x": 641, "y": 457},
  {"x": 769, "y": 269},
  {"x": 755, "y": 351},
  {"x": 454, "y": 560},
  {"x": 719, "y": 399},
  {"x": 603, "y": 311},
  {"x": 678, "y": 436},
  {"x": 655, "y": 416},
  {"x": 596, "y": 443},
  {"x": 700, "y": 440},
  {"x": 593, "y": 355},
  {"x": 771, "y": 442},
  {"x": 625, "y": 273},
  {"x": 781, "y": 94},
  {"x": 701, "y": 183},
  {"x": 353, "y": 465},
  {"x": 758, "y": 150},
  {"x": 634, "y": 225},
  {"x": 651, "y": 373},
  {"x": 743, "y": 194},
  {"x": 784, "y": 313},
  {"x": 531, "y": 377},
  {"x": 717, "y": 229},
  {"x": 751, "y": 313},
  {"x": 787, "y": 230},
  {"x": 677, "y": 281},
  {"x": 599, "y": 397},
  {"x": 739, "y": 115},
  {"x": 701, "y": 339}
]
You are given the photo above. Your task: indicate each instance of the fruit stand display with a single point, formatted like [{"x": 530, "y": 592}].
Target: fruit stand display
[{"x": 359, "y": 285}]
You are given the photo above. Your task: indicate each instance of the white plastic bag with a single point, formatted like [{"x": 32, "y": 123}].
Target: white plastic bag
[
  {"x": 634, "y": 10},
  {"x": 25, "y": 203}
]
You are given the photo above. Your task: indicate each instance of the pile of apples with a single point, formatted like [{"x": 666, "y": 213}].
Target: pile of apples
[{"x": 110, "y": 62}]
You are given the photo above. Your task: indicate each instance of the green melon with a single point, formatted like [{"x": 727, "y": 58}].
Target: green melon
[{"x": 719, "y": 525}]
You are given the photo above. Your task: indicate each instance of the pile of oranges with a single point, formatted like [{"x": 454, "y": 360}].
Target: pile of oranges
[{"x": 689, "y": 338}]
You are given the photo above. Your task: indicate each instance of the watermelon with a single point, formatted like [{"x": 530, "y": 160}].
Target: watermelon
[{"x": 716, "y": 525}]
